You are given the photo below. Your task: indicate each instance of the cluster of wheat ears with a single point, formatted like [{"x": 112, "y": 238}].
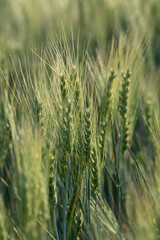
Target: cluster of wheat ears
[{"x": 79, "y": 146}]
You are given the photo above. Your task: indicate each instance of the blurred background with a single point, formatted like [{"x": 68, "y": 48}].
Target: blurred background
[{"x": 25, "y": 24}]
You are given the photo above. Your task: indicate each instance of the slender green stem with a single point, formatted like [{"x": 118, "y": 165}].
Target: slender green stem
[
  {"x": 65, "y": 189},
  {"x": 119, "y": 177},
  {"x": 55, "y": 224},
  {"x": 124, "y": 186},
  {"x": 87, "y": 195},
  {"x": 74, "y": 203},
  {"x": 2, "y": 186},
  {"x": 98, "y": 221}
]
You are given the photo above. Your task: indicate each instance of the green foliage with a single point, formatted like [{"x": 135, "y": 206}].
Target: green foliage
[{"x": 3, "y": 228}]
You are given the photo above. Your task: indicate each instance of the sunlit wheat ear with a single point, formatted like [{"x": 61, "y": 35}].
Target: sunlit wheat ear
[
  {"x": 52, "y": 182},
  {"x": 123, "y": 103},
  {"x": 87, "y": 136},
  {"x": 94, "y": 170}
]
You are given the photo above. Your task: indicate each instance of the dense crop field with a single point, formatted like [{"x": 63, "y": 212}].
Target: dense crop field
[{"x": 79, "y": 119}]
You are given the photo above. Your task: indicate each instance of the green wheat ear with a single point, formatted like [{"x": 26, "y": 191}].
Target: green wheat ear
[
  {"x": 66, "y": 126},
  {"x": 63, "y": 87},
  {"x": 87, "y": 136},
  {"x": 52, "y": 183},
  {"x": 108, "y": 94},
  {"x": 123, "y": 102},
  {"x": 106, "y": 111},
  {"x": 94, "y": 169},
  {"x": 38, "y": 113},
  {"x": 65, "y": 144},
  {"x": 125, "y": 135}
]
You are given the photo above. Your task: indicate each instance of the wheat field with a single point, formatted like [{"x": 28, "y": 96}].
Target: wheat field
[{"x": 79, "y": 120}]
